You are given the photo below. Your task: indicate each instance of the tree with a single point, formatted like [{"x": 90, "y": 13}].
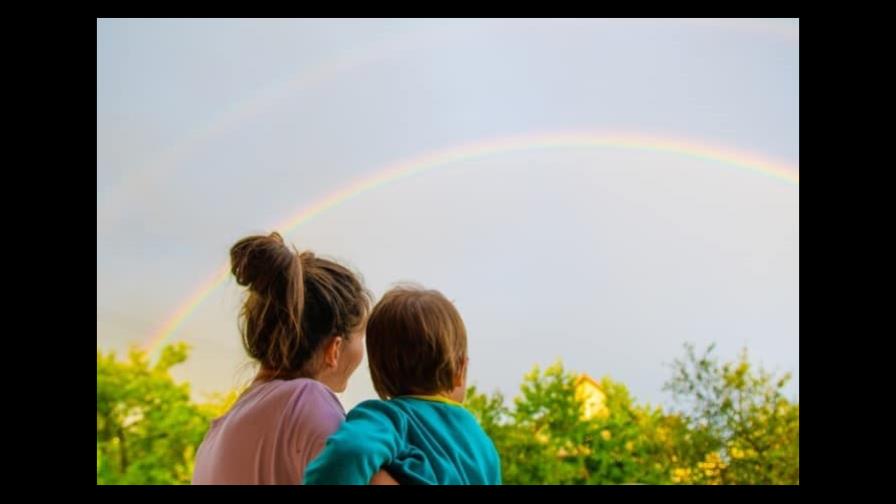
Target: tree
[
  {"x": 147, "y": 428},
  {"x": 547, "y": 439},
  {"x": 733, "y": 426},
  {"x": 739, "y": 429},
  {"x": 754, "y": 427}
]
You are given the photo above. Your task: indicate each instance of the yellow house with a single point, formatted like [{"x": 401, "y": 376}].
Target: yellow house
[{"x": 589, "y": 392}]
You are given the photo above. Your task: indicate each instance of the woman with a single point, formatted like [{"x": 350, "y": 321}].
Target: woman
[{"x": 303, "y": 322}]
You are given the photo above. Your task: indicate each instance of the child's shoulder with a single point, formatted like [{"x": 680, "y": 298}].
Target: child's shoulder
[
  {"x": 378, "y": 414},
  {"x": 375, "y": 407},
  {"x": 371, "y": 404},
  {"x": 405, "y": 405}
]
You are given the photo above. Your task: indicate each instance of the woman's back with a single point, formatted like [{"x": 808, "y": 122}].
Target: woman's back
[
  {"x": 302, "y": 321},
  {"x": 270, "y": 434}
]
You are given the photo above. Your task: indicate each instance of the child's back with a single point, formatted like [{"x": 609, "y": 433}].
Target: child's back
[
  {"x": 417, "y": 439},
  {"x": 419, "y": 433}
]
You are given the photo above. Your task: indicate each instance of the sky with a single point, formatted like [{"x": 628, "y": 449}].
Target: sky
[{"x": 608, "y": 256}]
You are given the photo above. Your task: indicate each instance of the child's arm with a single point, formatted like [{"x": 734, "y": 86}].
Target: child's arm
[
  {"x": 368, "y": 440},
  {"x": 383, "y": 478}
]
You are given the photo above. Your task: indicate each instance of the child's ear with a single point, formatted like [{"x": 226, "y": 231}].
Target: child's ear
[{"x": 461, "y": 375}]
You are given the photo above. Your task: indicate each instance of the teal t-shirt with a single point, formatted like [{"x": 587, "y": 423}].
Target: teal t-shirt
[{"x": 417, "y": 439}]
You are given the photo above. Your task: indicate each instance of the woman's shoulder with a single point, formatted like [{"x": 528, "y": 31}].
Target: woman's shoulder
[
  {"x": 307, "y": 389},
  {"x": 302, "y": 398}
]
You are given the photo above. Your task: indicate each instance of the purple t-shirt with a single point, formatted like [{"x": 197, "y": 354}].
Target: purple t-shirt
[{"x": 270, "y": 434}]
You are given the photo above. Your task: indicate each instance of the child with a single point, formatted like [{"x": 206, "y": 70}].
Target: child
[{"x": 419, "y": 433}]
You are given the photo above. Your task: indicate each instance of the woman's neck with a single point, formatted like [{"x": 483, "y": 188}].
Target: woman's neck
[{"x": 265, "y": 375}]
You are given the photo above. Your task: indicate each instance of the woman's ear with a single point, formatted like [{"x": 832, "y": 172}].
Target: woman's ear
[{"x": 332, "y": 351}]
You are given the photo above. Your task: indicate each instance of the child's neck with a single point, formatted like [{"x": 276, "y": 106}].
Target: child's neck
[{"x": 456, "y": 395}]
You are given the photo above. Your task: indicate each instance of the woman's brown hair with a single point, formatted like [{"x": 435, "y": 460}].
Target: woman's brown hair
[{"x": 295, "y": 302}]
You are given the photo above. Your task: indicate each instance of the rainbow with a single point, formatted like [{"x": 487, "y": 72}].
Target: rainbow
[
  {"x": 457, "y": 154},
  {"x": 266, "y": 97}
]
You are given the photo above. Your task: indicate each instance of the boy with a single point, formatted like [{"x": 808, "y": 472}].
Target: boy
[{"x": 419, "y": 433}]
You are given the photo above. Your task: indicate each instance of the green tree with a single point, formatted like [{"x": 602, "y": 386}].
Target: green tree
[
  {"x": 754, "y": 428},
  {"x": 546, "y": 439},
  {"x": 738, "y": 429},
  {"x": 735, "y": 426},
  {"x": 147, "y": 428}
]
